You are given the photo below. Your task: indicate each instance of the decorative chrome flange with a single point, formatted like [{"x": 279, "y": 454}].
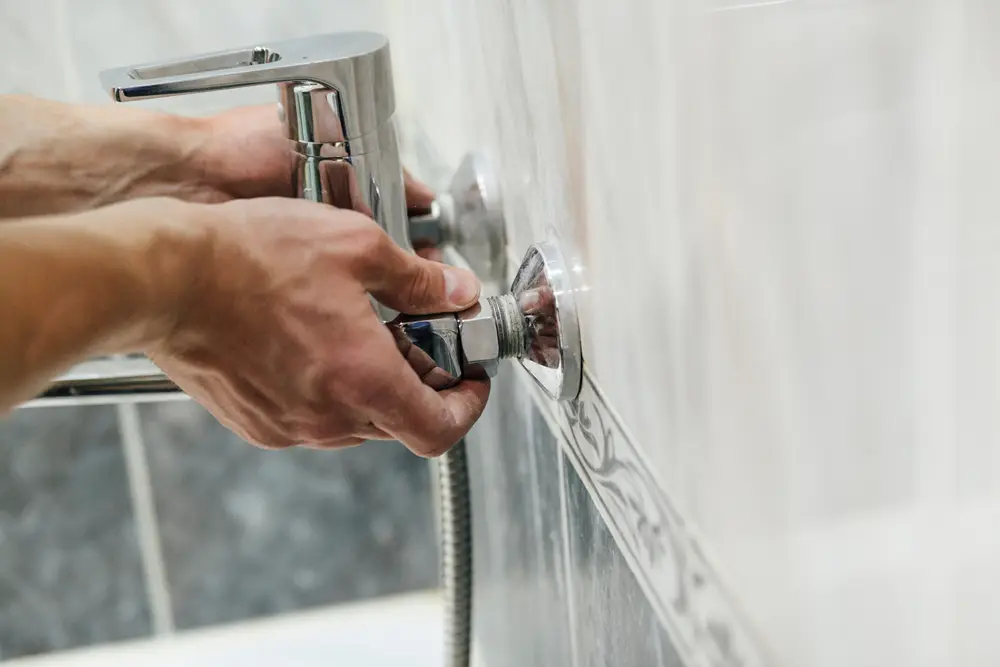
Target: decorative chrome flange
[
  {"x": 469, "y": 217},
  {"x": 544, "y": 293}
]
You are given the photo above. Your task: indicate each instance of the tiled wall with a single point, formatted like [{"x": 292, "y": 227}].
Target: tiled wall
[
  {"x": 238, "y": 532},
  {"x": 786, "y": 218},
  {"x": 70, "y": 565},
  {"x": 552, "y": 587}
]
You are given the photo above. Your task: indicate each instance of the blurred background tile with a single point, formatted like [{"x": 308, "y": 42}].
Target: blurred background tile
[
  {"x": 615, "y": 623},
  {"x": 33, "y": 55},
  {"x": 70, "y": 569},
  {"x": 248, "y": 532},
  {"x": 521, "y": 603}
]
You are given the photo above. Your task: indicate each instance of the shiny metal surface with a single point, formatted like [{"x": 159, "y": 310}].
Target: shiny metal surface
[
  {"x": 536, "y": 323},
  {"x": 545, "y": 296},
  {"x": 356, "y": 65},
  {"x": 469, "y": 217},
  {"x": 480, "y": 339},
  {"x": 108, "y": 377},
  {"x": 431, "y": 345},
  {"x": 336, "y": 103}
]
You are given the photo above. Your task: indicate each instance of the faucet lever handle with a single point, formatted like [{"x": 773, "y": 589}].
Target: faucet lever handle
[
  {"x": 354, "y": 64},
  {"x": 211, "y": 71}
]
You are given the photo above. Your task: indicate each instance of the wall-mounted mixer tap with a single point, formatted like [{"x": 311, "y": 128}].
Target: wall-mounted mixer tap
[{"x": 336, "y": 104}]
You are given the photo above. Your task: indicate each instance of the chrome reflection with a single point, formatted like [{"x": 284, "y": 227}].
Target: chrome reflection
[{"x": 544, "y": 294}]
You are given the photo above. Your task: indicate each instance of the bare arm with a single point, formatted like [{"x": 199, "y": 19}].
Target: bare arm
[
  {"x": 61, "y": 158},
  {"x": 74, "y": 286},
  {"x": 57, "y": 157},
  {"x": 258, "y": 309}
]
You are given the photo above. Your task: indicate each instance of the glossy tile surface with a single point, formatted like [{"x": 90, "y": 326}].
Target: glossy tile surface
[
  {"x": 614, "y": 623},
  {"x": 785, "y": 212},
  {"x": 551, "y": 586},
  {"x": 521, "y": 605},
  {"x": 248, "y": 532},
  {"x": 70, "y": 572}
]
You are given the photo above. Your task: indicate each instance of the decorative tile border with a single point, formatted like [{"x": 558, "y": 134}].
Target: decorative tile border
[{"x": 683, "y": 588}]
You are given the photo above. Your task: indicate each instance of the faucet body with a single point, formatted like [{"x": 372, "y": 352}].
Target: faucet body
[{"x": 336, "y": 103}]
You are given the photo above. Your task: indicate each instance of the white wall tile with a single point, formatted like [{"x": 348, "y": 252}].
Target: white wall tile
[
  {"x": 31, "y": 58},
  {"x": 787, "y": 213}
]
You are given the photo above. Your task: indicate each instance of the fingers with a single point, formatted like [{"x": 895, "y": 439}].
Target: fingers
[
  {"x": 426, "y": 421},
  {"x": 459, "y": 408},
  {"x": 414, "y": 285}
]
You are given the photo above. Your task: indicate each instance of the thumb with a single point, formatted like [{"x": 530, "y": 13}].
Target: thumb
[{"x": 415, "y": 286}]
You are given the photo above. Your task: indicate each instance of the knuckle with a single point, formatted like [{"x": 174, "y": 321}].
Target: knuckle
[
  {"x": 434, "y": 449},
  {"x": 419, "y": 287},
  {"x": 268, "y": 434},
  {"x": 437, "y": 437},
  {"x": 369, "y": 239},
  {"x": 358, "y": 384},
  {"x": 269, "y": 439},
  {"x": 322, "y": 423}
]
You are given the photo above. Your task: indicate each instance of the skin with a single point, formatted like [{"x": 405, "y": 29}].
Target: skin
[{"x": 127, "y": 230}]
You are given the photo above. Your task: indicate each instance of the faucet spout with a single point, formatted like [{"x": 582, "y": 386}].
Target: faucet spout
[{"x": 336, "y": 103}]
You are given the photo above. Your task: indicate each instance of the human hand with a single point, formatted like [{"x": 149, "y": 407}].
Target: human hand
[
  {"x": 244, "y": 154},
  {"x": 275, "y": 335},
  {"x": 68, "y": 158}
]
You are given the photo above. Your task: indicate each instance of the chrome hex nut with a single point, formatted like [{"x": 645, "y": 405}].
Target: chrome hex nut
[{"x": 477, "y": 329}]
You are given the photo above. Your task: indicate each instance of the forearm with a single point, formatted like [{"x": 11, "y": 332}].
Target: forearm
[
  {"x": 76, "y": 286},
  {"x": 57, "y": 158}
]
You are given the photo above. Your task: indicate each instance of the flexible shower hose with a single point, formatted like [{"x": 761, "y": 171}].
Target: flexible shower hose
[{"x": 456, "y": 555}]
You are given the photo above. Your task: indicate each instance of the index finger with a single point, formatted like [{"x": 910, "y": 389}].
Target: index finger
[{"x": 428, "y": 422}]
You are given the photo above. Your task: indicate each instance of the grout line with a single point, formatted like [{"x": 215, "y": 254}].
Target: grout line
[
  {"x": 147, "y": 525},
  {"x": 574, "y": 649},
  {"x": 655, "y": 627}
]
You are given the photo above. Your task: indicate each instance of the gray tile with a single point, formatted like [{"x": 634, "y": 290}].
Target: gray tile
[
  {"x": 552, "y": 598},
  {"x": 669, "y": 657},
  {"x": 615, "y": 623},
  {"x": 70, "y": 569},
  {"x": 520, "y": 604},
  {"x": 248, "y": 532}
]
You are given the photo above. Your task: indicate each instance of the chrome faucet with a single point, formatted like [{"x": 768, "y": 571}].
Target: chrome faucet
[{"x": 336, "y": 102}]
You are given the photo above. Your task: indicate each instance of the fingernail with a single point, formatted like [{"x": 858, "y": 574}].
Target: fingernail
[{"x": 461, "y": 286}]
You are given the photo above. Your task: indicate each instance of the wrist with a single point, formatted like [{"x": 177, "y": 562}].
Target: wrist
[
  {"x": 173, "y": 253},
  {"x": 103, "y": 282},
  {"x": 160, "y": 246},
  {"x": 62, "y": 158}
]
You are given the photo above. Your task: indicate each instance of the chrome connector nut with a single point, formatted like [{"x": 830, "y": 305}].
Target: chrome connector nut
[
  {"x": 430, "y": 344},
  {"x": 477, "y": 329}
]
